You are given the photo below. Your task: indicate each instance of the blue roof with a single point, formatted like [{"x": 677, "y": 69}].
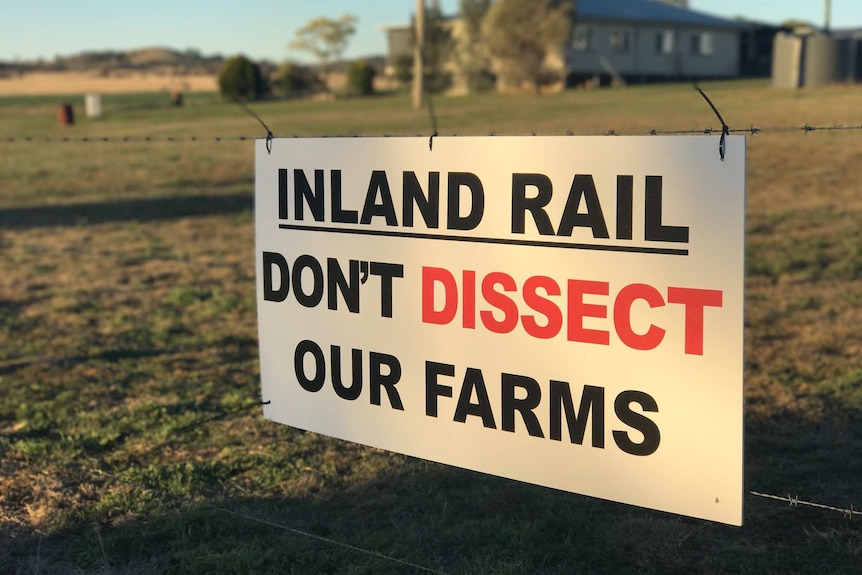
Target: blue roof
[{"x": 651, "y": 11}]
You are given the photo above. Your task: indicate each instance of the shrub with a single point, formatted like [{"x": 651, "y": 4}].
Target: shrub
[
  {"x": 360, "y": 79},
  {"x": 294, "y": 79},
  {"x": 404, "y": 69},
  {"x": 240, "y": 79}
]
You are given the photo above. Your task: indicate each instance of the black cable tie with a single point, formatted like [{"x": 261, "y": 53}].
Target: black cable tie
[
  {"x": 266, "y": 402},
  {"x": 570, "y": 133},
  {"x": 653, "y": 133},
  {"x": 754, "y": 130},
  {"x": 429, "y": 102},
  {"x": 251, "y": 113},
  {"x": 611, "y": 133},
  {"x": 808, "y": 128},
  {"x": 725, "y": 130},
  {"x": 431, "y": 141}
]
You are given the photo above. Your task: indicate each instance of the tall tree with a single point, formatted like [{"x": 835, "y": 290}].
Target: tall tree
[
  {"x": 432, "y": 51},
  {"x": 438, "y": 49},
  {"x": 324, "y": 38},
  {"x": 521, "y": 33},
  {"x": 471, "y": 53},
  {"x": 419, "y": 56}
]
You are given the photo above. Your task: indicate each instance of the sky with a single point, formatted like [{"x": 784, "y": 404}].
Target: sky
[{"x": 261, "y": 29}]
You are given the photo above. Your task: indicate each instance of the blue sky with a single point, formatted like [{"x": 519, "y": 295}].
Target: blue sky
[{"x": 31, "y": 29}]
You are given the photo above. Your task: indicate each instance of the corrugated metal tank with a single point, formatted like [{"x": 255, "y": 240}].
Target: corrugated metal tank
[
  {"x": 821, "y": 61},
  {"x": 805, "y": 60},
  {"x": 786, "y": 60}
]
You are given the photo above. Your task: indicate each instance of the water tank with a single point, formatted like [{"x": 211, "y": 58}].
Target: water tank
[
  {"x": 821, "y": 64},
  {"x": 786, "y": 60},
  {"x": 807, "y": 60}
]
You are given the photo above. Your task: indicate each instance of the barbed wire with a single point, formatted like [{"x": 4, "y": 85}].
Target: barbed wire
[
  {"x": 124, "y": 139},
  {"x": 270, "y": 523},
  {"x": 322, "y": 539},
  {"x": 752, "y": 130},
  {"x": 200, "y": 422},
  {"x": 204, "y": 421},
  {"x": 794, "y": 501}
]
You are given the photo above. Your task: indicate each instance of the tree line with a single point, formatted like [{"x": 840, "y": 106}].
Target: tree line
[{"x": 491, "y": 43}]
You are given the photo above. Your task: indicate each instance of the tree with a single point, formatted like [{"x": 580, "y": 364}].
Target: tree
[
  {"x": 438, "y": 48},
  {"x": 471, "y": 53},
  {"x": 360, "y": 79},
  {"x": 292, "y": 79},
  {"x": 404, "y": 69},
  {"x": 240, "y": 79},
  {"x": 326, "y": 39},
  {"x": 521, "y": 33}
]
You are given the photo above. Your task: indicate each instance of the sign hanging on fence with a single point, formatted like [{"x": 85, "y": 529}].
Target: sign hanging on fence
[{"x": 565, "y": 311}]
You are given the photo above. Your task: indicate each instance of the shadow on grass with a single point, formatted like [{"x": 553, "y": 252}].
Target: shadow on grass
[
  {"x": 138, "y": 210},
  {"x": 451, "y": 520},
  {"x": 13, "y": 365},
  {"x": 232, "y": 348}
]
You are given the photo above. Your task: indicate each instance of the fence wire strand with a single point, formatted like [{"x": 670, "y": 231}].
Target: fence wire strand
[
  {"x": 795, "y": 502},
  {"x": 752, "y": 130},
  {"x": 324, "y": 539},
  {"x": 204, "y": 421},
  {"x": 281, "y": 526}
]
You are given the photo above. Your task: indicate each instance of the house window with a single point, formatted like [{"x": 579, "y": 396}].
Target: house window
[
  {"x": 620, "y": 40},
  {"x": 701, "y": 44},
  {"x": 664, "y": 42},
  {"x": 582, "y": 38}
]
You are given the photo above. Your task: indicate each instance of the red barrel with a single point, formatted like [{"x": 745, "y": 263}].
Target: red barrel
[{"x": 64, "y": 115}]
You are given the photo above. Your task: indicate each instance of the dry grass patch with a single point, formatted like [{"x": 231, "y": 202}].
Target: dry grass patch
[{"x": 51, "y": 83}]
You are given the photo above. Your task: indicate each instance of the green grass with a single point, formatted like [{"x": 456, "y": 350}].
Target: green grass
[{"x": 129, "y": 372}]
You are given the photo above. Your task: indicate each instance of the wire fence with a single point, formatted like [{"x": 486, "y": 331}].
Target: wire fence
[
  {"x": 794, "y": 501},
  {"x": 848, "y": 512},
  {"x": 708, "y": 131}
]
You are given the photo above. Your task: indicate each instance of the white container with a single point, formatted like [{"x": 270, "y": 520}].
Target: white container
[{"x": 93, "y": 105}]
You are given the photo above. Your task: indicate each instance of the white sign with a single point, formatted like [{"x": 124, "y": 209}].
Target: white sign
[{"x": 565, "y": 311}]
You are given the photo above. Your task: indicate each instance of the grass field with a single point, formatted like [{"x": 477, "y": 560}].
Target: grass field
[{"x": 131, "y": 439}]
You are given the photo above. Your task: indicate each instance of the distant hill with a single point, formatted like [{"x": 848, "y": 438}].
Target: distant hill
[
  {"x": 109, "y": 63},
  {"x": 155, "y": 60}
]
